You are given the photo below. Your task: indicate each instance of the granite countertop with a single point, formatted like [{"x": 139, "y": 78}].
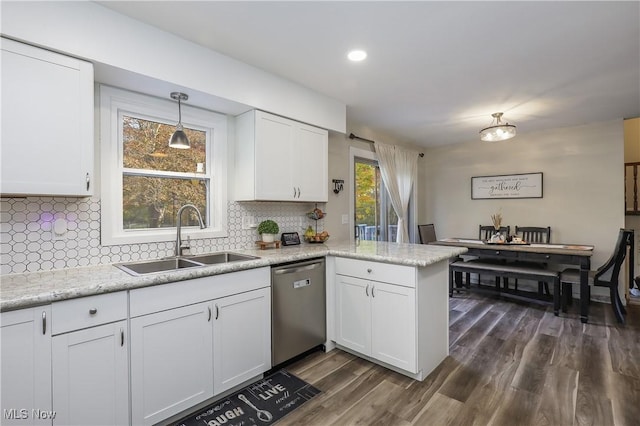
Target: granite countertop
[{"x": 39, "y": 288}]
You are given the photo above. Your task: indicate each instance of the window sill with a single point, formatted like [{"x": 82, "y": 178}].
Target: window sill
[{"x": 158, "y": 236}]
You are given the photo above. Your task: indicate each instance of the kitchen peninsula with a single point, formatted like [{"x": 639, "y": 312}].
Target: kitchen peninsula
[{"x": 386, "y": 302}]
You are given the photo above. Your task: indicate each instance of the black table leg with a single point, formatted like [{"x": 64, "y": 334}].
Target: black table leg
[{"x": 585, "y": 265}]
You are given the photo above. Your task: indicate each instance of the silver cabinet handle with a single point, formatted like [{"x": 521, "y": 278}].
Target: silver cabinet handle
[
  {"x": 298, "y": 192},
  {"x": 217, "y": 311},
  {"x": 88, "y": 179},
  {"x": 93, "y": 311},
  {"x": 373, "y": 289},
  {"x": 209, "y": 308},
  {"x": 366, "y": 290},
  {"x": 44, "y": 323},
  {"x": 121, "y": 337},
  {"x": 294, "y": 192}
]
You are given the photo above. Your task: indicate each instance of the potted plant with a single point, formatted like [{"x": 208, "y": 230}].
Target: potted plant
[{"x": 268, "y": 229}]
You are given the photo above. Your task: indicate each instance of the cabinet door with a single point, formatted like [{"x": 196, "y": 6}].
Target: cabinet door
[
  {"x": 310, "y": 153},
  {"x": 25, "y": 375},
  {"x": 274, "y": 160},
  {"x": 241, "y": 338},
  {"x": 47, "y": 122},
  {"x": 91, "y": 376},
  {"x": 353, "y": 309},
  {"x": 393, "y": 322},
  {"x": 171, "y": 362}
]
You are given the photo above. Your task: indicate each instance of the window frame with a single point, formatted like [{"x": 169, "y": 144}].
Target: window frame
[{"x": 114, "y": 103}]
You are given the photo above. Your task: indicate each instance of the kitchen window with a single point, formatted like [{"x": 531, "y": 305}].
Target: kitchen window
[{"x": 144, "y": 182}]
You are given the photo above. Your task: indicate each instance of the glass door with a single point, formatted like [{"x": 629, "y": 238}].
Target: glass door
[{"x": 374, "y": 217}]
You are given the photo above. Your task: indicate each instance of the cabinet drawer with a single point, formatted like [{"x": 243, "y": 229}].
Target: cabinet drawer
[
  {"x": 384, "y": 272},
  {"x": 85, "y": 312}
]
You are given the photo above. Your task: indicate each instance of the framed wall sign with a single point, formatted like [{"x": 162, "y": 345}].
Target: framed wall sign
[{"x": 525, "y": 185}]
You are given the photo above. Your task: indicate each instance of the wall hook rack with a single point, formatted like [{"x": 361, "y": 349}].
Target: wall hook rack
[{"x": 338, "y": 185}]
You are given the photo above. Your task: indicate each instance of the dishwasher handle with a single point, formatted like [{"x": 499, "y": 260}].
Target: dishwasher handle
[{"x": 296, "y": 268}]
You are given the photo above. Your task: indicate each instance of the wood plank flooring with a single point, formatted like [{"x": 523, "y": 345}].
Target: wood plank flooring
[{"x": 509, "y": 364}]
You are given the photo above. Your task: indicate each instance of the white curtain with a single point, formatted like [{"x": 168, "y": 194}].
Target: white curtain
[{"x": 398, "y": 168}]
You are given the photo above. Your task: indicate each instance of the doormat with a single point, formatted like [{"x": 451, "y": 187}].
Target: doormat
[{"x": 261, "y": 403}]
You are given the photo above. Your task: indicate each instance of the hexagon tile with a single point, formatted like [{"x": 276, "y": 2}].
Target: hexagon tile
[{"x": 27, "y": 243}]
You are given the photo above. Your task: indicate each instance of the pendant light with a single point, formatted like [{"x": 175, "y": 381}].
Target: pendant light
[
  {"x": 498, "y": 131},
  {"x": 179, "y": 138}
]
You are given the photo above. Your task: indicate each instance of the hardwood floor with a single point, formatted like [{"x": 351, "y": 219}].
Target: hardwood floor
[{"x": 509, "y": 364}]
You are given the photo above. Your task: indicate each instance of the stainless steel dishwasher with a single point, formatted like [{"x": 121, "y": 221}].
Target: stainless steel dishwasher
[{"x": 298, "y": 309}]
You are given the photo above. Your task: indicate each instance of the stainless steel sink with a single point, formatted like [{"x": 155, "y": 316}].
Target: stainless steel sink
[
  {"x": 155, "y": 266},
  {"x": 178, "y": 263},
  {"x": 224, "y": 257}
]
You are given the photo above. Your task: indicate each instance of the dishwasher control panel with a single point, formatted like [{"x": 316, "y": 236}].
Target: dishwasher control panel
[{"x": 302, "y": 283}]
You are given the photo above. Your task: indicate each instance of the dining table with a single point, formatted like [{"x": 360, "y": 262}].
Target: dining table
[{"x": 560, "y": 254}]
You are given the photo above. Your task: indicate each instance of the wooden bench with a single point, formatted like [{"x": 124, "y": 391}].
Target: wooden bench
[{"x": 505, "y": 270}]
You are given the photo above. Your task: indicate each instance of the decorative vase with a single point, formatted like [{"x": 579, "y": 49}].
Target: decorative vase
[
  {"x": 497, "y": 237},
  {"x": 268, "y": 238}
]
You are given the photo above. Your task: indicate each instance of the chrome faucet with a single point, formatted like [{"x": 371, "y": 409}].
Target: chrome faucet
[{"x": 179, "y": 226}]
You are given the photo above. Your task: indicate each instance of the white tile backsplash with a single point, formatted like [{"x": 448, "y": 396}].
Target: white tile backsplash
[{"x": 28, "y": 242}]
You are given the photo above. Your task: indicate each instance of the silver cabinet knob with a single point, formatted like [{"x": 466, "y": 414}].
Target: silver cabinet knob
[{"x": 93, "y": 311}]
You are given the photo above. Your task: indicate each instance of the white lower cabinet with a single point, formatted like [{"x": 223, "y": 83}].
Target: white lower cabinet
[
  {"x": 171, "y": 362},
  {"x": 91, "y": 376},
  {"x": 25, "y": 373},
  {"x": 353, "y": 309},
  {"x": 241, "y": 338},
  {"x": 396, "y": 315},
  {"x": 194, "y": 339},
  {"x": 89, "y": 360},
  {"x": 378, "y": 320},
  {"x": 74, "y": 362},
  {"x": 393, "y": 325}
]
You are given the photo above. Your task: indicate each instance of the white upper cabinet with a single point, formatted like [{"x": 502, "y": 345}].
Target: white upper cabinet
[
  {"x": 278, "y": 159},
  {"x": 47, "y": 123}
]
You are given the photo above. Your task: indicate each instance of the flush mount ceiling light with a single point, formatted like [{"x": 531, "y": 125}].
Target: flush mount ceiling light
[
  {"x": 497, "y": 131},
  {"x": 179, "y": 138},
  {"x": 357, "y": 55}
]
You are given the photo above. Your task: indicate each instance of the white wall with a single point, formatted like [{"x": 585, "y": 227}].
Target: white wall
[
  {"x": 583, "y": 198},
  {"x": 137, "y": 56}
]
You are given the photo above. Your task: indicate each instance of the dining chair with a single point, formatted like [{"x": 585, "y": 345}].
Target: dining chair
[
  {"x": 486, "y": 231},
  {"x": 605, "y": 276},
  {"x": 427, "y": 233},
  {"x": 540, "y": 235},
  {"x": 534, "y": 234}
]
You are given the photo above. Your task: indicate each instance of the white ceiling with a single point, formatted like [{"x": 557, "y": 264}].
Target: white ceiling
[{"x": 436, "y": 70}]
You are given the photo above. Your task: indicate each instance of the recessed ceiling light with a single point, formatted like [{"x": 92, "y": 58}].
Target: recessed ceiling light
[{"x": 357, "y": 55}]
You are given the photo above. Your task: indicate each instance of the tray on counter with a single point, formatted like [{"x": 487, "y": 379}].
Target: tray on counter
[{"x": 509, "y": 244}]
